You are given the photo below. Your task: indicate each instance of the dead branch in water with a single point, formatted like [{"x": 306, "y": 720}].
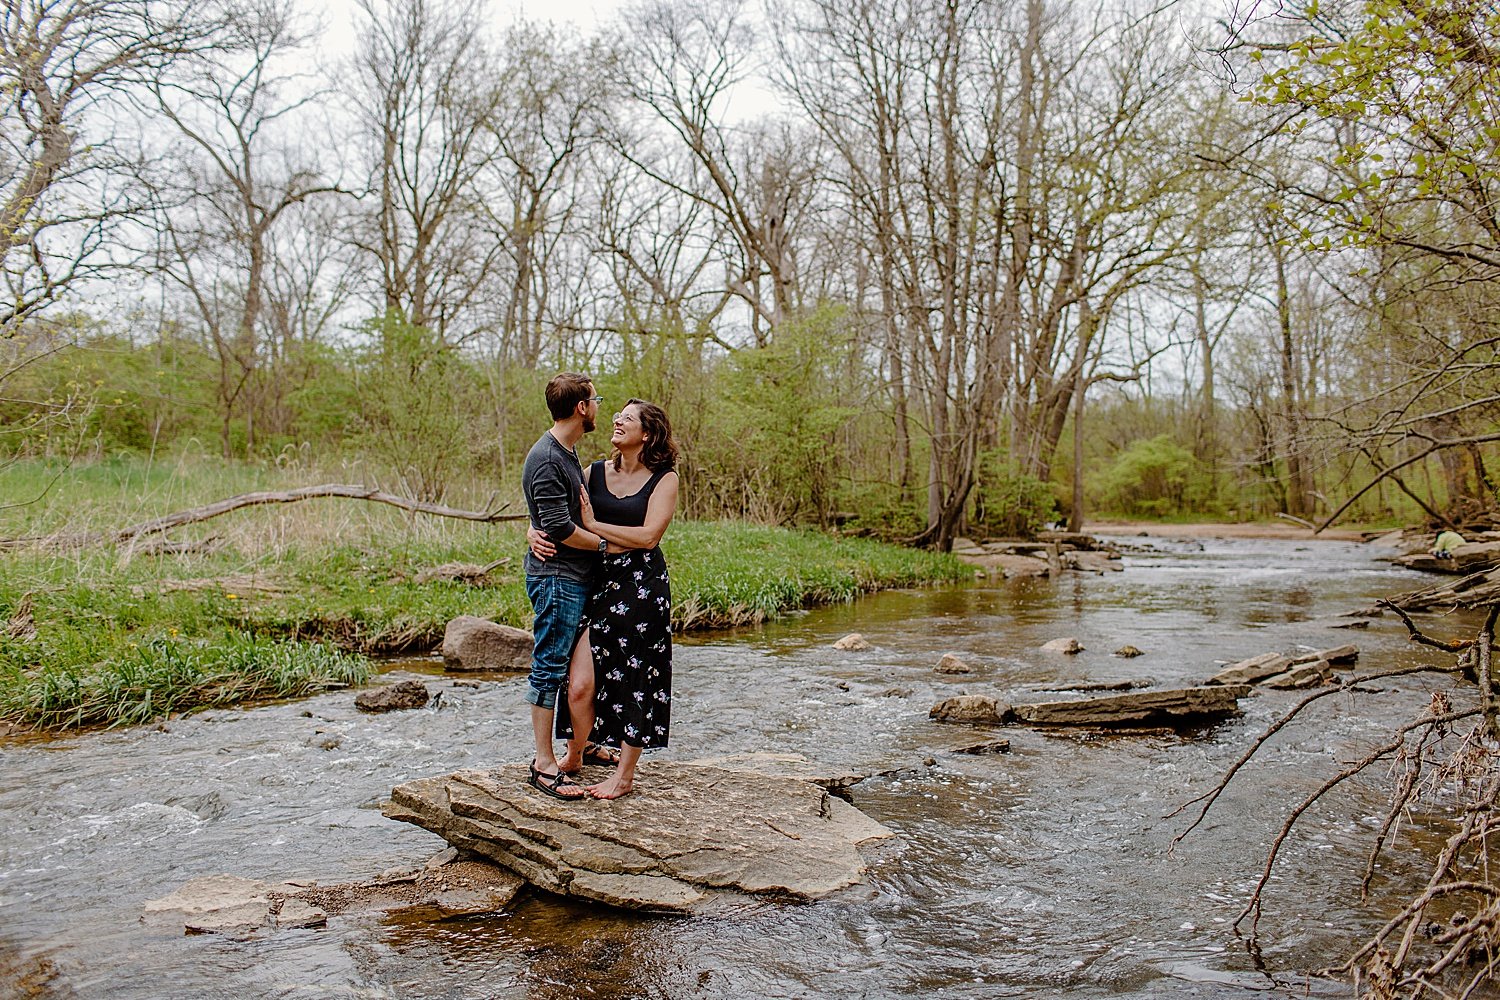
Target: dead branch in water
[
  {"x": 1416, "y": 953},
  {"x": 207, "y": 511}
]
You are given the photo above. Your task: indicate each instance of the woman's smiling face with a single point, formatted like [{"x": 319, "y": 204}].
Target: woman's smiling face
[{"x": 627, "y": 432}]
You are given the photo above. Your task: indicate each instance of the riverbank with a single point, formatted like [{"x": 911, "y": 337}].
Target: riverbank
[
  {"x": 1258, "y": 529},
  {"x": 105, "y": 637}
]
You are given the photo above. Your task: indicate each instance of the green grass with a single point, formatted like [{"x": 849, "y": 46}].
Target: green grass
[{"x": 296, "y": 597}]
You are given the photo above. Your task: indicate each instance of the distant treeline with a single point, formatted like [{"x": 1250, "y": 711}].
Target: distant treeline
[
  {"x": 1256, "y": 261},
  {"x": 796, "y": 432}
]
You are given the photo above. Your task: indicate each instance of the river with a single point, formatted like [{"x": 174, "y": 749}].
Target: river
[{"x": 1040, "y": 872}]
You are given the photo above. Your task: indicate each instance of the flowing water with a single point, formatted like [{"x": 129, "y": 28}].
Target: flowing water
[{"x": 1044, "y": 871}]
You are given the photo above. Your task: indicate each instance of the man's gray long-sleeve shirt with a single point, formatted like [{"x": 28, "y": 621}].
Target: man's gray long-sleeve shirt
[{"x": 551, "y": 479}]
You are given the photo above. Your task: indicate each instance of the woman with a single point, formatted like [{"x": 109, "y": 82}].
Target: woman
[{"x": 620, "y": 676}]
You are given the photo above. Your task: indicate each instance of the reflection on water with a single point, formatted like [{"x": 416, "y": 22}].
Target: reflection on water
[{"x": 1039, "y": 872}]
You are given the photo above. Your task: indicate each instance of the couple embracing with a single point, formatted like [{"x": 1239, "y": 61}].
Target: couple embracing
[{"x": 601, "y": 668}]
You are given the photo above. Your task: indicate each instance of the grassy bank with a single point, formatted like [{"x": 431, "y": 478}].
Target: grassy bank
[{"x": 293, "y": 599}]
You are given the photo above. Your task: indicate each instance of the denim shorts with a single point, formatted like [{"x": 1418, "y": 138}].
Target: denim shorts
[{"x": 558, "y": 603}]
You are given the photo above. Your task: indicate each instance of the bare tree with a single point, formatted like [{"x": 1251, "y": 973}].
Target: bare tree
[
  {"x": 549, "y": 110},
  {"x": 682, "y": 63},
  {"x": 425, "y": 99},
  {"x": 63, "y": 68},
  {"x": 233, "y": 108}
]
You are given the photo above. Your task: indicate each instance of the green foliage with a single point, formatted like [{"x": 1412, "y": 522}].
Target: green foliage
[
  {"x": 71, "y": 679},
  {"x": 1424, "y": 71},
  {"x": 413, "y": 394},
  {"x": 1153, "y": 477},
  {"x": 729, "y": 573},
  {"x": 1010, "y": 503},
  {"x": 123, "y": 639},
  {"x": 771, "y": 453}
]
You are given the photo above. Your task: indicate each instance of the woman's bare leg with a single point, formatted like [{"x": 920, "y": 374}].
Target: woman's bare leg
[
  {"x": 623, "y": 780},
  {"x": 580, "y": 702}
]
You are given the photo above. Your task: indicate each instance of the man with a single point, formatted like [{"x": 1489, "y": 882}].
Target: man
[{"x": 552, "y": 479}]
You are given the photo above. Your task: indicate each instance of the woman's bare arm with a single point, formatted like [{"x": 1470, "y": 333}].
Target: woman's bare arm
[{"x": 659, "y": 511}]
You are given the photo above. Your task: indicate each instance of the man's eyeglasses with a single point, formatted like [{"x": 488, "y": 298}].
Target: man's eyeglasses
[{"x": 594, "y": 399}]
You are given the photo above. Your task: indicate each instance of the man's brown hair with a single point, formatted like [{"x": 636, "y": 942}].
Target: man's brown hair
[{"x": 566, "y": 391}]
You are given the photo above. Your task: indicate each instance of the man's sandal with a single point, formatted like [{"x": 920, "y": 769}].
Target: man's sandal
[
  {"x": 553, "y": 784},
  {"x": 595, "y": 753},
  {"x": 598, "y": 753}
]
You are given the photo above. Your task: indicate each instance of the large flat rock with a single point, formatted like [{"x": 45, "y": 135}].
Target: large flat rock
[
  {"x": 1144, "y": 708},
  {"x": 686, "y": 833}
]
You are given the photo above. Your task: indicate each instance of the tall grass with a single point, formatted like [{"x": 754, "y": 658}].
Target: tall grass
[
  {"x": 295, "y": 597},
  {"x": 133, "y": 682}
]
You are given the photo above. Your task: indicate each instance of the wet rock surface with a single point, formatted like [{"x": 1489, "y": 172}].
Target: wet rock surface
[
  {"x": 228, "y": 904},
  {"x": 951, "y": 664},
  {"x": 1254, "y": 669},
  {"x": 402, "y": 696},
  {"x": 240, "y": 907},
  {"x": 1145, "y": 708},
  {"x": 1277, "y": 670},
  {"x": 978, "y": 708},
  {"x": 471, "y": 643},
  {"x": 853, "y": 643},
  {"x": 787, "y": 765},
  {"x": 687, "y": 833}
]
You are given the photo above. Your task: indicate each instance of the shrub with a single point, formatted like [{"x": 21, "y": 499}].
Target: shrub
[
  {"x": 1010, "y": 503},
  {"x": 1151, "y": 478}
]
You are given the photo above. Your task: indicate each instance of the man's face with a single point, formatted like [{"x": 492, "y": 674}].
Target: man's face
[{"x": 590, "y": 410}]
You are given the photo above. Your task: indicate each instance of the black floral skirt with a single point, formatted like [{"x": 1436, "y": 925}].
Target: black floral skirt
[{"x": 629, "y": 618}]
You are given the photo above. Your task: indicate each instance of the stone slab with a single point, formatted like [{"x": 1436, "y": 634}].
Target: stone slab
[{"x": 687, "y": 833}]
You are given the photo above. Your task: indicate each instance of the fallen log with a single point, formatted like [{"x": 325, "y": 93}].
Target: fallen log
[
  {"x": 1471, "y": 591},
  {"x": 219, "y": 507}
]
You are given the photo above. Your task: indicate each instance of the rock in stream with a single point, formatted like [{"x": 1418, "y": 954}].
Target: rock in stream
[{"x": 686, "y": 833}]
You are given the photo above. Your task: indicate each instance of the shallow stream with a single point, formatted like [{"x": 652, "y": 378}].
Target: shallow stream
[{"x": 1039, "y": 872}]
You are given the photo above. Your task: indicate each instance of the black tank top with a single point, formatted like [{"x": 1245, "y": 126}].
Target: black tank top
[{"x": 628, "y": 512}]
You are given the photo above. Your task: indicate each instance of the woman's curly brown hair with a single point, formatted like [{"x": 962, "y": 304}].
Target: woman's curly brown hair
[{"x": 659, "y": 453}]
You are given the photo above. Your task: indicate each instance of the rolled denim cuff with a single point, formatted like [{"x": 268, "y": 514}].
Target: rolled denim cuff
[{"x": 541, "y": 699}]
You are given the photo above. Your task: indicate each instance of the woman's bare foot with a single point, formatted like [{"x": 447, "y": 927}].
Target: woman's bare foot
[{"x": 615, "y": 787}]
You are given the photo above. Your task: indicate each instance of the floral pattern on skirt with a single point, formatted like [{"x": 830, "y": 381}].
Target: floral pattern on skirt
[{"x": 629, "y": 618}]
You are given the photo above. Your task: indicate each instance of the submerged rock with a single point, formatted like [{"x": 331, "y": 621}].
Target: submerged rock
[
  {"x": 471, "y": 643},
  {"x": 1128, "y": 651},
  {"x": 1068, "y": 645},
  {"x": 853, "y": 643},
  {"x": 685, "y": 833},
  {"x": 229, "y": 904},
  {"x": 391, "y": 698}
]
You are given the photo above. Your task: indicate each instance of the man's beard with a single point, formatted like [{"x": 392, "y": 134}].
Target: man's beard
[{"x": 588, "y": 425}]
